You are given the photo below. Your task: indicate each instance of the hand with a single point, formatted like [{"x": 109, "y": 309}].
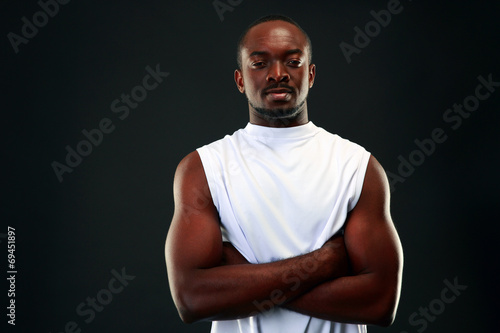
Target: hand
[{"x": 231, "y": 256}]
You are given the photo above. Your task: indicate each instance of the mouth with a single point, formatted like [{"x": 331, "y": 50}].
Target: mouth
[
  {"x": 278, "y": 94},
  {"x": 278, "y": 91}
]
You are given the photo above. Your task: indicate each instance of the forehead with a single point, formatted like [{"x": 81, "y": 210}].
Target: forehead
[{"x": 273, "y": 36}]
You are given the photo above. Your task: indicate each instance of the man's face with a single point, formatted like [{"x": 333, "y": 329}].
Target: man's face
[{"x": 275, "y": 73}]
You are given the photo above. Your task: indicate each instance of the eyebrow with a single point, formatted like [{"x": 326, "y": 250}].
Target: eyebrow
[{"x": 258, "y": 53}]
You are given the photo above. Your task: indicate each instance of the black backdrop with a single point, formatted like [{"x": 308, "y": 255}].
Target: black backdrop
[{"x": 109, "y": 216}]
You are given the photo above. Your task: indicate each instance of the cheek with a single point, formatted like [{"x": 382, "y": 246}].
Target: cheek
[
  {"x": 301, "y": 78},
  {"x": 255, "y": 77},
  {"x": 251, "y": 87},
  {"x": 304, "y": 84},
  {"x": 249, "y": 90}
]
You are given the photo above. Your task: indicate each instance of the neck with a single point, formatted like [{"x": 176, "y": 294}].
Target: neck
[{"x": 297, "y": 119}]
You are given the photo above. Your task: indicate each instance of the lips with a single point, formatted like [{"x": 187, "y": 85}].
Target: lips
[
  {"x": 279, "y": 97},
  {"x": 278, "y": 91}
]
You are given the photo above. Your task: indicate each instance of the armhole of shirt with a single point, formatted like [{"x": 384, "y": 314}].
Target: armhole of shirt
[
  {"x": 206, "y": 161},
  {"x": 360, "y": 177}
]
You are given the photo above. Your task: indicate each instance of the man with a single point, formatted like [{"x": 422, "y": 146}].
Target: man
[{"x": 282, "y": 226}]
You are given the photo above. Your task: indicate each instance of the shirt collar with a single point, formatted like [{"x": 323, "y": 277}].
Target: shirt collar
[{"x": 308, "y": 129}]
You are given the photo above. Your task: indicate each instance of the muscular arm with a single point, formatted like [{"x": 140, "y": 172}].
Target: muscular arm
[
  {"x": 371, "y": 294},
  {"x": 203, "y": 286}
]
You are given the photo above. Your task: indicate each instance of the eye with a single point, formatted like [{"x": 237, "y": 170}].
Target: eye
[
  {"x": 295, "y": 63},
  {"x": 258, "y": 64}
]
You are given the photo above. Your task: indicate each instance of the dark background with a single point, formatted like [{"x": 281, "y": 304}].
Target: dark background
[{"x": 112, "y": 212}]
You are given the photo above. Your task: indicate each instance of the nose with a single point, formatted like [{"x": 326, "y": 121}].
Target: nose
[{"x": 277, "y": 73}]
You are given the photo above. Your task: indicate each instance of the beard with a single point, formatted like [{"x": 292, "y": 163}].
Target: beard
[{"x": 279, "y": 113}]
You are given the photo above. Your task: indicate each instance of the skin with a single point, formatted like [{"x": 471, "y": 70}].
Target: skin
[
  {"x": 356, "y": 278},
  {"x": 205, "y": 280},
  {"x": 275, "y": 54}
]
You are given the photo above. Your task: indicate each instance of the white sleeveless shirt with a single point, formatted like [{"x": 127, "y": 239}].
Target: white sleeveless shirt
[{"x": 282, "y": 192}]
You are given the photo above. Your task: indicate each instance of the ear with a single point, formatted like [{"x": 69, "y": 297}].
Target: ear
[
  {"x": 238, "y": 78},
  {"x": 312, "y": 74}
]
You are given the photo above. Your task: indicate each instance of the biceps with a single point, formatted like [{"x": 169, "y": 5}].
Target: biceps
[
  {"x": 194, "y": 240},
  {"x": 371, "y": 240},
  {"x": 373, "y": 246}
]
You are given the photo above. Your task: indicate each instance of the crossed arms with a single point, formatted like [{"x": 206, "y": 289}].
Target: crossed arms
[{"x": 355, "y": 278}]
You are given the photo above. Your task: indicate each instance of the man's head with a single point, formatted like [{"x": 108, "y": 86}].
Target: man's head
[
  {"x": 275, "y": 71},
  {"x": 270, "y": 18}
]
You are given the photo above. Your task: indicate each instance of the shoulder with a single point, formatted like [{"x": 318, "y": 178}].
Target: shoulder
[
  {"x": 213, "y": 155},
  {"x": 226, "y": 139},
  {"x": 340, "y": 144},
  {"x": 189, "y": 163},
  {"x": 375, "y": 171},
  {"x": 375, "y": 190},
  {"x": 351, "y": 155},
  {"x": 189, "y": 170}
]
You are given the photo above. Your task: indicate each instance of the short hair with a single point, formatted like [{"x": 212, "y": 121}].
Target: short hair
[{"x": 268, "y": 18}]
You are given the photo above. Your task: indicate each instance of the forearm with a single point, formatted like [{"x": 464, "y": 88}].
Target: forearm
[
  {"x": 237, "y": 291},
  {"x": 371, "y": 294},
  {"x": 364, "y": 298}
]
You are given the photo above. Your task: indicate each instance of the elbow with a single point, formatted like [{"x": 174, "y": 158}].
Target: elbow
[
  {"x": 385, "y": 312},
  {"x": 192, "y": 298},
  {"x": 187, "y": 314},
  {"x": 189, "y": 308},
  {"x": 388, "y": 301},
  {"x": 380, "y": 316},
  {"x": 385, "y": 320}
]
